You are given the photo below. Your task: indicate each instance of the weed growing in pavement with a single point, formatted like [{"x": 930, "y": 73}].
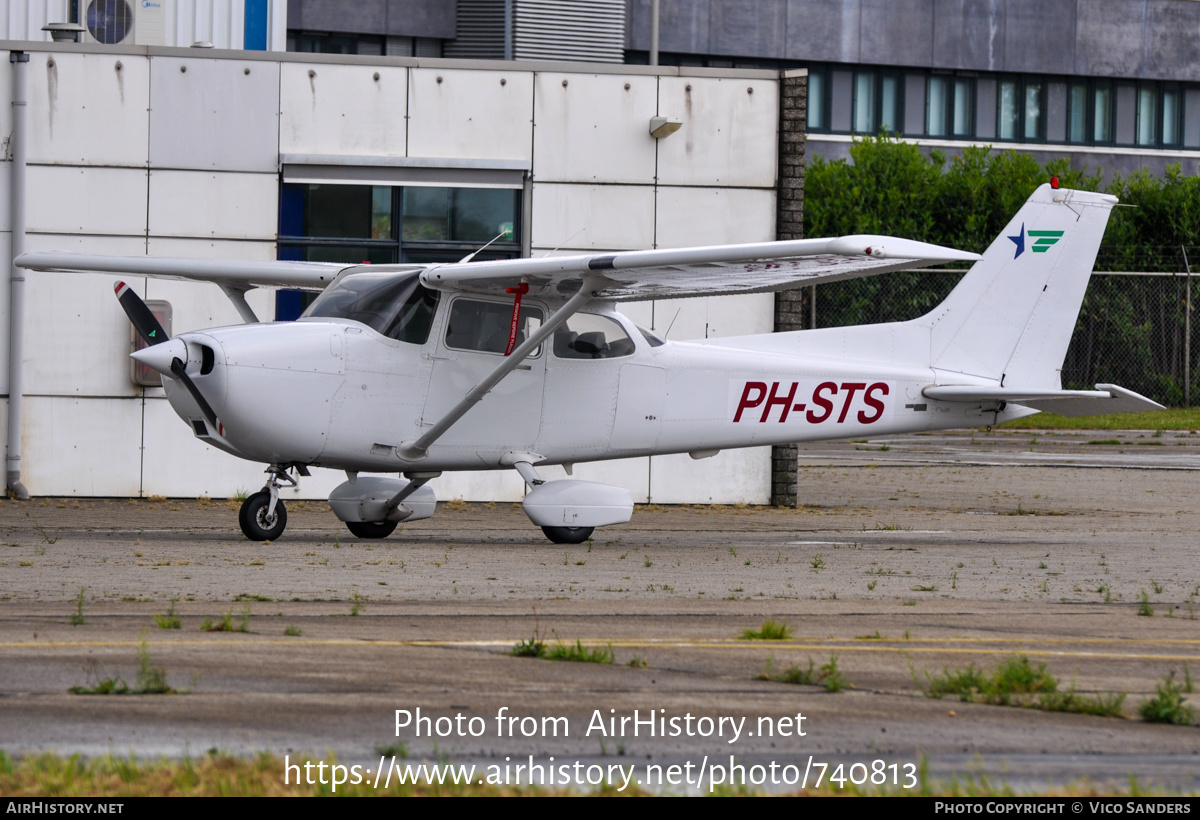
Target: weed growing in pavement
[
  {"x": 771, "y": 630},
  {"x": 827, "y": 675},
  {"x": 1017, "y": 682},
  {"x": 168, "y": 619},
  {"x": 1168, "y": 704},
  {"x": 77, "y": 618}
]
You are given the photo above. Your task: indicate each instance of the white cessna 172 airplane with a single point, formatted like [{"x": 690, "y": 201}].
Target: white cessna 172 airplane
[{"x": 517, "y": 363}]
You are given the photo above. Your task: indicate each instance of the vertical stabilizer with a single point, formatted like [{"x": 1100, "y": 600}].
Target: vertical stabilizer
[{"x": 1012, "y": 315}]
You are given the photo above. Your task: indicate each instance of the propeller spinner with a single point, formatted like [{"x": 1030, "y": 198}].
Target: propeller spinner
[{"x": 167, "y": 356}]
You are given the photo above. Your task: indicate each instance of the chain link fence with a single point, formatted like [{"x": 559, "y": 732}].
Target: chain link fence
[{"x": 1133, "y": 329}]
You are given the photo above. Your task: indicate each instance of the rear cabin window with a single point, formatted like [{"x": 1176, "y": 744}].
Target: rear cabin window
[{"x": 588, "y": 336}]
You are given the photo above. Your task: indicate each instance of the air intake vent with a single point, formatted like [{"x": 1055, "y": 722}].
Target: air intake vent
[{"x": 587, "y": 31}]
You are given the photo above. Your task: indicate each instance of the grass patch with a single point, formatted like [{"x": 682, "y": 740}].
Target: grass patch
[
  {"x": 1144, "y": 607},
  {"x": 577, "y": 652},
  {"x": 771, "y": 630},
  {"x": 827, "y": 675},
  {"x": 292, "y": 631},
  {"x": 1017, "y": 682},
  {"x": 1168, "y": 704},
  {"x": 151, "y": 680},
  {"x": 77, "y": 618},
  {"x": 1171, "y": 419},
  {"x": 226, "y": 622},
  {"x": 168, "y": 619}
]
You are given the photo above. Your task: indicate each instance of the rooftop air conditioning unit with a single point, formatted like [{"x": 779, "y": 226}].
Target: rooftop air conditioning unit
[{"x": 125, "y": 22}]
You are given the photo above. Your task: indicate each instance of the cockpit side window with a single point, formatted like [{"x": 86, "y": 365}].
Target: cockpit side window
[
  {"x": 485, "y": 326},
  {"x": 394, "y": 305}
]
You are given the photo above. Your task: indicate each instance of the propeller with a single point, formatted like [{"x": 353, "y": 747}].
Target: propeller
[{"x": 167, "y": 356}]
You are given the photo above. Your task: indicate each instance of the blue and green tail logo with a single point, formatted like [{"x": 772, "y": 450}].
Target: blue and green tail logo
[{"x": 1045, "y": 240}]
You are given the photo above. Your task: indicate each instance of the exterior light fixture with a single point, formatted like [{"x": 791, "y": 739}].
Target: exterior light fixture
[{"x": 664, "y": 126}]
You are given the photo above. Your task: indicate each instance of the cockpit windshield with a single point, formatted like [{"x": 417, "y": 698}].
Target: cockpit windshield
[{"x": 394, "y": 304}]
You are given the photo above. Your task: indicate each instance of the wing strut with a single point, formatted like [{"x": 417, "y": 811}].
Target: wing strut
[{"x": 416, "y": 450}]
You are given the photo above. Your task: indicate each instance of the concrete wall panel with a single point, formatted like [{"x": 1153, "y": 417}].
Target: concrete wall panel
[
  {"x": 88, "y": 109},
  {"x": 179, "y": 465},
  {"x": 472, "y": 114},
  {"x": 729, "y": 133},
  {"x": 730, "y": 477},
  {"x": 482, "y": 485},
  {"x": 824, "y": 30},
  {"x": 225, "y": 205},
  {"x": 631, "y": 473},
  {"x": 1039, "y": 36},
  {"x": 343, "y": 110},
  {"x": 968, "y": 34},
  {"x": 103, "y": 201},
  {"x": 214, "y": 114},
  {"x": 897, "y": 32},
  {"x": 85, "y": 447},
  {"x": 1106, "y": 45},
  {"x": 683, "y": 26},
  {"x": 595, "y": 128},
  {"x": 90, "y": 359},
  {"x": 593, "y": 217},
  {"x": 714, "y": 216},
  {"x": 1172, "y": 51},
  {"x": 749, "y": 27}
]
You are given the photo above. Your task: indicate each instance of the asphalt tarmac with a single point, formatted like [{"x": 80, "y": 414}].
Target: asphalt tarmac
[{"x": 910, "y": 557}]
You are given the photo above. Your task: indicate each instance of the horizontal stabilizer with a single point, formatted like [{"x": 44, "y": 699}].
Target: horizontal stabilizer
[{"x": 1106, "y": 398}]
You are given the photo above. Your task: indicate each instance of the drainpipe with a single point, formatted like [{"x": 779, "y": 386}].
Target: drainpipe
[{"x": 16, "y": 299}]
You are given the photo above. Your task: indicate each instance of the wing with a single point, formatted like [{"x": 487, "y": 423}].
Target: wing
[
  {"x": 1106, "y": 398},
  {"x": 239, "y": 275},
  {"x": 707, "y": 271},
  {"x": 627, "y": 276}
]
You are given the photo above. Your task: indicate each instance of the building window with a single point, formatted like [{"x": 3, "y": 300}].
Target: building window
[
  {"x": 379, "y": 224},
  {"x": 1147, "y": 116},
  {"x": 1019, "y": 107},
  {"x": 1077, "y": 110},
  {"x": 1172, "y": 119},
  {"x": 818, "y": 99},
  {"x": 1102, "y": 114},
  {"x": 878, "y": 102},
  {"x": 950, "y": 107},
  {"x": 864, "y": 103}
]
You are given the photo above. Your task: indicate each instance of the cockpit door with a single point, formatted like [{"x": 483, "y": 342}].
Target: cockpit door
[{"x": 471, "y": 345}]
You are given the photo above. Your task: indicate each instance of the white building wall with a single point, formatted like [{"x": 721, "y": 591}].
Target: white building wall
[
  {"x": 165, "y": 152},
  {"x": 184, "y": 22}
]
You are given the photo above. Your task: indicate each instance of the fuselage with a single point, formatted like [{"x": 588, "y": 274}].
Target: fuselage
[{"x": 346, "y": 387}]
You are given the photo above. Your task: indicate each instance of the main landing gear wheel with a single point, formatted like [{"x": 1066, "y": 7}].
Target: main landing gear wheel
[
  {"x": 568, "y": 535},
  {"x": 371, "y": 529},
  {"x": 256, "y": 524}
]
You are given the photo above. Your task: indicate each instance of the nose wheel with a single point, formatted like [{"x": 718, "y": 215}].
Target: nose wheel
[
  {"x": 263, "y": 516},
  {"x": 258, "y": 521}
]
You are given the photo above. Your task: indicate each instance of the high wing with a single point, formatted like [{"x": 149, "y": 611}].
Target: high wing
[
  {"x": 624, "y": 276},
  {"x": 236, "y": 274},
  {"x": 706, "y": 271}
]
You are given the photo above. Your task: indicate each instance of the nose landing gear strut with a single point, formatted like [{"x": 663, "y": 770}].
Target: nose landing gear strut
[{"x": 263, "y": 516}]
